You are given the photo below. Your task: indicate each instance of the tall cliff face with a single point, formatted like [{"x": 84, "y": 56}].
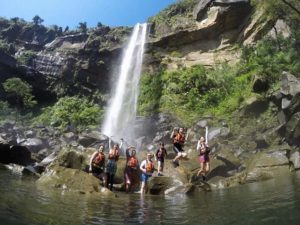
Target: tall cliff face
[
  {"x": 188, "y": 33},
  {"x": 70, "y": 63},
  {"x": 214, "y": 28}
]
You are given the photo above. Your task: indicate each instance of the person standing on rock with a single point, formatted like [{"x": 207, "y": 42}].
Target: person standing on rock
[
  {"x": 202, "y": 147},
  {"x": 111, "y": 168},
  {"x": 97, "y": 164},
  {"x": 131, "y": 170},
  {"x": 179, "y": 139},
  {"x": 147, "y": 168},
  {"x": 160, "y": 155}
]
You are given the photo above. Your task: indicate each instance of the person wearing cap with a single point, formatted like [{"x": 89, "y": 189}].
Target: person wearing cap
[
  {"x": 97, "y": 164},
  {"x": 147, "y": 168}
]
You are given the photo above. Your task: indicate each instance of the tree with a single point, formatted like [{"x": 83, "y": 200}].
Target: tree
[
  {"x": 66, "y": 29},
  {"x": 15, "y": 19},
  {"x": 99, "y": 24},
  {"x": 37, "y": 20},
  {"x": 82, "y": 27},
  {"x": 20, "y": 93}
]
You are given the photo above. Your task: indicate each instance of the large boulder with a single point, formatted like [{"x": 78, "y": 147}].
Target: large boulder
[
  {"x": 72, "y": 180},
  {"x": 201, "y": 8},
  {"x": 293, "y": 129},
  {"x": 15, "y": 154},
  {"x": 70, "y": 158},
  {"x": 265, "y": 165},
  {"x": 294, "y": 159}
]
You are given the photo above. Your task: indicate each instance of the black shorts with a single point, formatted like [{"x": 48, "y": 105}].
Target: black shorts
[{"x": 177, "y": 148}]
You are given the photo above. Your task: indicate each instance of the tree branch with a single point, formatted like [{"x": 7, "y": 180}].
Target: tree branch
[{"x": 291, "y": 6}]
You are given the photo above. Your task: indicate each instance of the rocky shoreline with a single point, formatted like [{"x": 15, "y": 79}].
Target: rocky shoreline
[{"x": 59, "y": 160}]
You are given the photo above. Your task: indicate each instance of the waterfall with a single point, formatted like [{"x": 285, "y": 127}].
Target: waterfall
[{"x": 121, "y": 113}]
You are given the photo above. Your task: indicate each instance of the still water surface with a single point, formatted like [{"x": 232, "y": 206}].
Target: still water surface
[{"x": 273, "y": 202}]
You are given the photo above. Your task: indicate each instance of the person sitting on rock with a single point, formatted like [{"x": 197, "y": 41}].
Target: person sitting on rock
[
  {"x": 147, "y": 168},
  {"x": 203, "y": 149},
  {"x": 179, "y": 139},
  {"x": 131, "y": 170},
  {"x": 160, "y": 155},
  {"x": 97, "y": 164},
  {"x": 111, "y": 168}
]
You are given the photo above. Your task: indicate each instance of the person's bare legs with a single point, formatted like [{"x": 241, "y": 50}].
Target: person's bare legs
[{"x": 201, "y": 169}]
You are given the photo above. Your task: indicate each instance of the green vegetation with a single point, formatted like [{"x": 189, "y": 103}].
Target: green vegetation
[
  {"x": 19, "y": 92},
  {"x": 77, "y": 112},
  {"x": 190, "y": 93},
  {"x": 4, "y": 46},
  {"x": 26, "y": 57},
  {"x": 176, "y": 16}
]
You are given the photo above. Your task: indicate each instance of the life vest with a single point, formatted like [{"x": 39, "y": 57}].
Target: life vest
[
  {"x": 179, "y": 138},
  {"x": 132, "y": 162},
  {"x": 149, "y": 167},
  {"x": 99, "y": 158}
]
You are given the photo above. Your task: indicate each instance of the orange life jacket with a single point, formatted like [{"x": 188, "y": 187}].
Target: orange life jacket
[
  {"x": 99, "y": 158},
  {"x": 149, "y": 167},
  {"x": 132, "y": 162},
  {"x": 179, "y": 138}
]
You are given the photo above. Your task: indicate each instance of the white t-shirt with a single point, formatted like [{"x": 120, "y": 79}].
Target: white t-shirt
[{"x": 144, "y": 165}]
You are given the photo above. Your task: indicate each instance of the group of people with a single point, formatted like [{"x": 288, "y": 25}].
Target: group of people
[
  {"x": 179, "y": 137},
  {"x": 135, "y": 172},
  {"x": 132, "y": 170},
  {"x": 97, "y": 166}
]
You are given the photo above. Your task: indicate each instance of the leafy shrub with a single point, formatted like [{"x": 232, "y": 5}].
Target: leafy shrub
[
  {"x": 72, "y": 111},
  {"x": 26, "y": 57},
  {"x": 4, "y": 46},
  {"x": 150, "y": 93},
  {"x": 20, "y": 92}
]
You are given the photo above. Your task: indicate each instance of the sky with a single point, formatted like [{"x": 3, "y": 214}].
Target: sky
[{"x": 70, "y": 12}]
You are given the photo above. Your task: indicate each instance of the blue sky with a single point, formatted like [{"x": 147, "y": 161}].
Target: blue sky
[{"x": 71, "y": 12}]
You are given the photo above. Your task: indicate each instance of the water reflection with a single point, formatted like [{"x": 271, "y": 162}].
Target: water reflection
[{"x": 272, "y": 202}]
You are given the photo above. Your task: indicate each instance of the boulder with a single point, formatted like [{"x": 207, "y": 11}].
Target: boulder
[
  {"x": 15, "y": 154},
  {"x": 294, "y": 159},
  {"x": 265, "y": 165},
  {"x": 70, "y": 158},
  {"x": 290, "y": 85},
  {"x": 33, "y": 144},
  {"x": 293, "y": 130},
  {"x": 69, "y": 179},
  {"x": 158, "y": 185},
  {"x": 201, "y": 9}
]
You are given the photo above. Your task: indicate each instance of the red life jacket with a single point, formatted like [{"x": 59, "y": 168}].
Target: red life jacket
[
  {"x": 99, "y": 158},
  {"x": 132, "y": 162}
]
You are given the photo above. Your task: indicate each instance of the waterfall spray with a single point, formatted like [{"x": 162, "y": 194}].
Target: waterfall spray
[{"x": 121, "y": 112}]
